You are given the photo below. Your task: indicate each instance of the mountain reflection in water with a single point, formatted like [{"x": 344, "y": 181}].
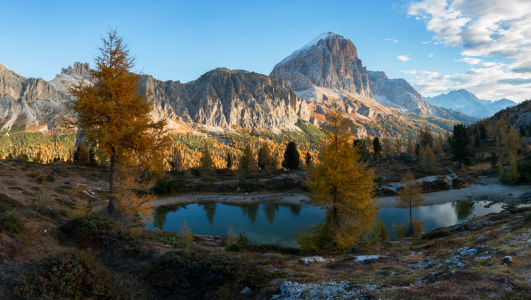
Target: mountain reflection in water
[{"x": 276, "y": 223}]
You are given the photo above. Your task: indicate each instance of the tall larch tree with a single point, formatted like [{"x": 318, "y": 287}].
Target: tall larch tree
[
  {"x": 398, "y": 146},
  {"x": 410, "y": 196},
  {"x": 247, "y": 161},
  {"x": 265, "y": 160},
  {"x": 177, "y": 159},
  {"x": 113, "y": 114},
  {"x": 344, "y": 186},
  {"x": 511, "y": 142},
  {"x": 410, "y": 146},
  {"x": 207, "y": 164}
]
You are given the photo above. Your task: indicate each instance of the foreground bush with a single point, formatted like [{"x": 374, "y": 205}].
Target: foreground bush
[
  {"x": 75, "y": 275},
  {"x": 242, "y": 245},
  {"x": 86, "y": 230},
  {"x": 11, "y": 225},
  {"x": 205, "y": 275},
  {"x": 171, "y": 238}
]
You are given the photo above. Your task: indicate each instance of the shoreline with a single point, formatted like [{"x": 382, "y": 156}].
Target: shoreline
[{"x": 496, "y": 193}]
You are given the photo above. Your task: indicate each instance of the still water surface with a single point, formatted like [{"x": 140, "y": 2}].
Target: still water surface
[{"x": 276, "y": 223}]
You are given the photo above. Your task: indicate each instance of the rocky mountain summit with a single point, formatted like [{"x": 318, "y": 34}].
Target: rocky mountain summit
[
  {"x": 328, "y": 61},
  {"x": 224, "y": 98},
  {"x": 467, "y": 103},
  {"x": 72, "y": 75},
  {"x": 327, "y": 71},
  {"x": 31, "y": 102}
]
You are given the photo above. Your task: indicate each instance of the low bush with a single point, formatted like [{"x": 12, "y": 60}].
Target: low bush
[
  {"x": 171, "y": 238},
  {"x": 11, "y": 225},
  {"x": 436, "y": 234},
  {"x": 166, "y": 187},
  {"x": 8, "y": 204},
  {"x": 86, "y": 230},
  {"x": 250, "y": 186},
  {"x": 33, "y": 174},
  {"x": 240, "y": 246},
  {"x": 75, "y": 275},
  {"x": 47, "y": 178},
  {"x": 206, "y": 275},
  {"x": 456, "y": 182}
]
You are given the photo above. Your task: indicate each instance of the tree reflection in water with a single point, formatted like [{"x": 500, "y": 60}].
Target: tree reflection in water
[
  {"x": 210, "y": 210},
  {"x": 159, "y": 218},
  {"x": 463, "y": 209},
  {"x": 250, "y": 211},
  {"x": 295, "y": 210},
  {"x": 270, "y": 211}
]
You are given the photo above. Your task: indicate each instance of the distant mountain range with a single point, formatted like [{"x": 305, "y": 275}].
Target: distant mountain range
[
  {"x": 324, "y": 73},
  {"x": 467, "y": 103}
]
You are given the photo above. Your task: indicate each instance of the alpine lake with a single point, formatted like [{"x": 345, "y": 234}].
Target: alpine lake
[{"x": 265, "y": 223}]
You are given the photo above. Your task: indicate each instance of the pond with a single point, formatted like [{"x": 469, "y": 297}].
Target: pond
[{"x": 275, "y": 223}]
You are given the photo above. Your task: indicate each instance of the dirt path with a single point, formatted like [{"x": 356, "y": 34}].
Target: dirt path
[{"x": 469, "y": 193}]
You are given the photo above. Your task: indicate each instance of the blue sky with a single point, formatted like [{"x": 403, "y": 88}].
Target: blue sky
[{"x": 181, "y": 40}]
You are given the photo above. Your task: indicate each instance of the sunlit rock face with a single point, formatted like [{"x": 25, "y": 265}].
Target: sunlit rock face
[
  {"x": 329, "y": 61},
  {"x": 224, "y": 98},
  {"x": 30, "y": 102}
]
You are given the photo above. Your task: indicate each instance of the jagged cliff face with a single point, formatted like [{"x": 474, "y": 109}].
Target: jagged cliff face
[
  {"x": 31, "y": 102},
  {"x": 222, "y": 99},
  {"x": 329, "y": 61},
  {"x": 72, "y": 75}
]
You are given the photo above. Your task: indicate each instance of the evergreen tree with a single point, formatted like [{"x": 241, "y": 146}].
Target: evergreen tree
[
  {"x": 426, "y": 137},
  {"x": 376, "y": 148},
  {"x": 410, "y": 145},
  {"x": 207, "y": 164},
  {"x": 460, "y": 146},
  {"x": 229, "y": 161},
  {"x": 493, "y": 159},
  {"x": 417, "y": 150},
  {"x": 291, "y": 157},
  {"x": 482, "y": 132},
  {"x": 522, "y": 131},
  {"x": 114, "y": 114},
  {"x": 265, "y": 161},
  {"x": 343, "y": 186},
  {"x": 477, "y": 141},
  {"x": 308, "y": 159}
]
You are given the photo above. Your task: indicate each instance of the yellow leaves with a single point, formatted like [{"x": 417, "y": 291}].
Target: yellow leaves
[
  {"x": 411, "y": 193},
  {"x": 344, "y": 186}
]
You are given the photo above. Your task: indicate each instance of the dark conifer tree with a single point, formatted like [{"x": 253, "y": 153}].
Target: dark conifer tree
[
  {"x": 460, "y": 146},
  {"x": 291, "y": 157},
  {"x": 376, "y": 147},
  {"x": 477, "y": 141},
  {"x": 493, "y": 159},
  {"x": 308, "y": 159},
  {"x": 482, "y": 132},
  {"x": 229, "y": 161}
]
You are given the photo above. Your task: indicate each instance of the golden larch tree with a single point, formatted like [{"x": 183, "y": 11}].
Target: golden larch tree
[
  {"x": 410, "y": 196},
  {"x": 343, "y": 185},
  {"x": 207, "y": 164},
  {"x": 511, "y": 142},
  {"x": 113, "y": 114}
]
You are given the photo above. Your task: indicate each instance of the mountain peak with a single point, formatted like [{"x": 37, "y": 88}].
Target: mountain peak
[
  {"x": 79, "y": 69},
  {"x": 329, "y": 61}
]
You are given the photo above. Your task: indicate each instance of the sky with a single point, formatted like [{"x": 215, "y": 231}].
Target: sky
[{"x": 438, "y": 46}]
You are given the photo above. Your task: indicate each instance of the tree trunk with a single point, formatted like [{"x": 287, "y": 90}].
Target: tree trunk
[
  {"x": 111, "y": 209},
  {"x": 410, "y": 219}
]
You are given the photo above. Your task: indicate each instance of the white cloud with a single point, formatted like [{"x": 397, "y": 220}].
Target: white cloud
[
  {"x": 404, "y": 58},
  {"x": 481, "y": 28},
  {"x": 470, "y": 60},
  {"x": 431, "y": 55},
  {"x": 392, "y": 40},
  {"x": 424, "y": 43}
]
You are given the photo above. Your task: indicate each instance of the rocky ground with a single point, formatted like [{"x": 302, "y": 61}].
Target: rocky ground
[{"x": 487, "y": 257}]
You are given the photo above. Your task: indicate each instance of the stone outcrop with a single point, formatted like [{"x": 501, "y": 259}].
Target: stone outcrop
[
  {"x": 223, "y": 98},
  {"x": 30, "y": 102},
  {"x": 329, "y": 61},
  {"x": 72, "y": 75},
  {"x": 79, "y": 70}
]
